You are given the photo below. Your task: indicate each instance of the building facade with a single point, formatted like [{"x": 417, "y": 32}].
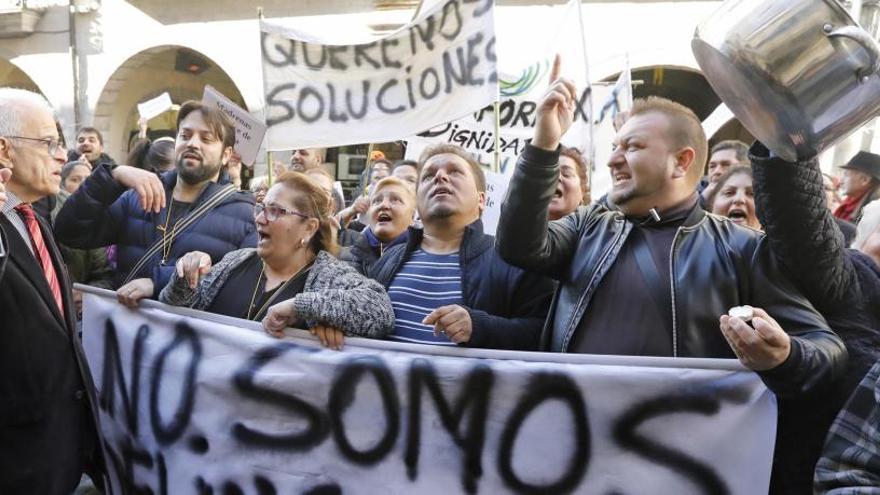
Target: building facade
[{"x": 94, "y": 60}]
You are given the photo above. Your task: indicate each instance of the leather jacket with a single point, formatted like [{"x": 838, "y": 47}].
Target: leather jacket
[{"x": 714, "y": 265}]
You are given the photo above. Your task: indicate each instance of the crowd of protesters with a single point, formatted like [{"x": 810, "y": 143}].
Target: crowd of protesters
[{"x": 685, "y": 234}]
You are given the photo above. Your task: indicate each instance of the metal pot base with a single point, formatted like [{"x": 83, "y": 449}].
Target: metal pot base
[{"x": 743, "y": 90}]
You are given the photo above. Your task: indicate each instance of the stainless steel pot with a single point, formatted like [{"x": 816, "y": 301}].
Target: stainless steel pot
[{"x": 799, "y": 74}]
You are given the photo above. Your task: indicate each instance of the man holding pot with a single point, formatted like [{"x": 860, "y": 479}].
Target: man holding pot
[{"x": 651, "y": 273}]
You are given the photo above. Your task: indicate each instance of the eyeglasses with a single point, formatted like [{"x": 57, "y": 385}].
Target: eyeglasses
[
  {"x": 52, "y": 145},
  {"x": 272, "y": 212}
]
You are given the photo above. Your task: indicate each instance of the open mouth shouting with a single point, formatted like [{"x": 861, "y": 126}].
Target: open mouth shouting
[
  {"x": 384, "y": 218},
  {"x": 263, "y": 236},
  {"x": 620, "y": 179},
  {"x": 738, "y": 215}
]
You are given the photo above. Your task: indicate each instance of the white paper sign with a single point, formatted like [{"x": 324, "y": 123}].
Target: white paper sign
[
  {"x": 249, "y": 131},
  {"x": 496, "y": 189},
  {"x": 525, "y": 63},
  {"x": 434, "y": 70},
  {"x": 196, "y": 405},
  {"x": 156, "y": 106}
]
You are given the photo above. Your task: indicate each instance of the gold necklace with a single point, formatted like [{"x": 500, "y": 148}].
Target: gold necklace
[
  {"x": 166, "y": 246},
  {"x": 279, "y": 290}
]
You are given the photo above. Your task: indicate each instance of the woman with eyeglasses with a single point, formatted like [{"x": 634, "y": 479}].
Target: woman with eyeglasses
[{"x": 292, "y": 278}]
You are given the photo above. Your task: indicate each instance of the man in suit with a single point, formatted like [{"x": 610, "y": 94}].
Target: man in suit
[{"x": 48, "y": 433}]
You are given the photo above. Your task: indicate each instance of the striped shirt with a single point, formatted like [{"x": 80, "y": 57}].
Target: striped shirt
[{"x": 424, "y": 283}]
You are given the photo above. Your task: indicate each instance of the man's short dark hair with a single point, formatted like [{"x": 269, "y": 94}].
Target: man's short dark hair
[
  {"x": 439, "y": 149},
  {"x": 90, "y": 130},
  {"x": 217, "y": 120},
  {"x": 740, "y": 149}
]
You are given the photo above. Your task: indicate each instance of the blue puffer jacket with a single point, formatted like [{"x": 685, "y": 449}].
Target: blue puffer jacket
[
  {"x": 507, "y": 305},
  {"x": 103, "y": 212}
]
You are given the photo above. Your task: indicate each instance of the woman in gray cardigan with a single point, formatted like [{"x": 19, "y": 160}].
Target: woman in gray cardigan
[{"x": 292, "y": 278}]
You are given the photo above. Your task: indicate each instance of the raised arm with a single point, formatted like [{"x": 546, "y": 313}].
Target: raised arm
[
  {"x": 525, "y": 237},
  {"x": 790, "y": 202},
  {"x": 92, "y": 216}
]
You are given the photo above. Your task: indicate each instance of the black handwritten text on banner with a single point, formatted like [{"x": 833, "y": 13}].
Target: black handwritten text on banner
[
  {"x": 189, "y": 405},
  {"x": 435, "y": 70}
]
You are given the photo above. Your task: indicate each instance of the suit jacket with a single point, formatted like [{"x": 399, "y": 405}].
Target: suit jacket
[{"x": 48, "y": 423}]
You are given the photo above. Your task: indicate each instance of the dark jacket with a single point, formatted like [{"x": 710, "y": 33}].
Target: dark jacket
[
  {"x": 843, "y": 284},
  {"x": 847, "y": 229},
  {"x": 507, "y": 306},
  {"x": 364, "y": 251},
  {"x": 48, "y": 405},
  {"x": 103, "y": 159},
  {"x": 103, "y": 212},
  {"x": 715, "y": 265},
  {"x": 85, "y": 266}
]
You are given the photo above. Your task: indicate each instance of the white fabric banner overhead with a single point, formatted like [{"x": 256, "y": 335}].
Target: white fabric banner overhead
[
  {"x": 527, "y": 46},
  {"x": 438, "y": 68},
  {"x": 196, "y": 403}
]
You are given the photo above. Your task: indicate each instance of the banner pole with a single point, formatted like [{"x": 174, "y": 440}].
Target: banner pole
[
  {"x": 591, "y": 153},
  {"x": 496, "y": 110},
  {"x": 271, "y": 167},
  {"x": 368, "y": 171},
  {"x": 269, "y": 164}
]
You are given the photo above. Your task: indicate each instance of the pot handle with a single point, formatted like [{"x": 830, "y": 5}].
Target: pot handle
[{"x": 865, "y": 40}]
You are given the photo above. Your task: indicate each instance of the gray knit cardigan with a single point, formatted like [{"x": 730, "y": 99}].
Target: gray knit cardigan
[{"x": 334, "y": 294}]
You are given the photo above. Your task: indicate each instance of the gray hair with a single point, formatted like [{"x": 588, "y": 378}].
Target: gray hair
[{"x": 14, "y": 104}]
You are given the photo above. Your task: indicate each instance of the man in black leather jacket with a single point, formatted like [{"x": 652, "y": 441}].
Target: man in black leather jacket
[{"x": 611, "y": 300}]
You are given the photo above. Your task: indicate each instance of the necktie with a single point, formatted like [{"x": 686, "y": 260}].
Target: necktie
[{"x": 27, "y": 213}]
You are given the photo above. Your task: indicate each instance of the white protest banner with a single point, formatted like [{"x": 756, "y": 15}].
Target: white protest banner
[
  {"x": 527, "y": 45},
  {"x": 249, "y": 132},
  {"x": 156, "y": 106},
  {"x": 196, "y": 403},
  {"x": 434, "y": 70}
]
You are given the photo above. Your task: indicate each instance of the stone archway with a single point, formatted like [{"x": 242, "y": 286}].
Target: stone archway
[
  {"x": 680, "y": 84},
  {"x": 180, "y": 71},
  {"x": 732, "y": 129},
  {"x": 13, "y": 77}
]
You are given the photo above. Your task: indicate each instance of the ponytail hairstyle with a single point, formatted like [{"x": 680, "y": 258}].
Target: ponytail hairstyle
[{"x": 156, "y": 156}]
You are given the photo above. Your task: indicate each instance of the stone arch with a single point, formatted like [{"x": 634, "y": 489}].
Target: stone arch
[
  {"x": 732, "y": 129},
  {"x": 12, "y": 76},
  {"x": 179, "y": 70},
  {"x": 681, "y": 84}
]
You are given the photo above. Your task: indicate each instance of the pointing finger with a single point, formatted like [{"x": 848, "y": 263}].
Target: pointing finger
[{"x": 557, "y": 68}]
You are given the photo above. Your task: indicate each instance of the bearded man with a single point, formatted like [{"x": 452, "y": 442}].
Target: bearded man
[{"x": 154, "y": 220}]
